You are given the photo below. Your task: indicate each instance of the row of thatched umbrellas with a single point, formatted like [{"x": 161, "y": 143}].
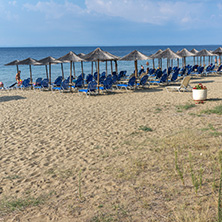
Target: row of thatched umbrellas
[{"x": 99, "y": 55}]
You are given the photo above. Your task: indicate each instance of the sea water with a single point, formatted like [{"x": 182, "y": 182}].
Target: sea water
[{"x": 7, "y": 73}]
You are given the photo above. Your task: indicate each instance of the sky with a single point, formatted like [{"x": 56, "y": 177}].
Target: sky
[{"x": 110, "y": 22}]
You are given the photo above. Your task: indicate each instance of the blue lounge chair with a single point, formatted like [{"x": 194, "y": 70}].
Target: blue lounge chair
[
  {"x": 107, "y": 84},
  {"x": 143, "y": 81},
  {"x": 89, "y": 78},
  {"x": 25, "y": 84},
  {"x": 92, "y": 88},
  {"x": 129, "y": 85},
  {"x": 64, "y": 86},
  {"x": 163, "y": 79}
]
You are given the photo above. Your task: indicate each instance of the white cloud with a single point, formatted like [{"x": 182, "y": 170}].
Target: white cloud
[
  {"x": 54, "y": 10},
  {"x": 147, "y": 11}
]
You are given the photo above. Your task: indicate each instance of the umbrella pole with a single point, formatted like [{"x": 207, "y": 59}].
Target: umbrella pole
[
  {"x": 17, "y": 68},
  {"x": 50, "y": 80},
  {"x": 70, "y": 74},
  {"x": 194, "y": 60},
  {"x": 111, "y": 63},
  {"x": 74, "y": 69},
  {"x": 82, "y": 67},
  {"x": 116, "y": 67},
  {"x": 62, "y": 71},
  {"x": 98, "y": 77},
  {"x": 46, "y": 70},
  {"x": 204, "y": 61},
  {"x": 178, "y": 63},
  {"x": 185, "y": 61},
  {"x": 136, "y": 68},
  {"x": 106, "y": 69},
  {"x": 92, "y": 68},
  {"x": 209, "y": 61},
  {"x": 30, "y": 68},
  {"x": 153, "y": 64}
]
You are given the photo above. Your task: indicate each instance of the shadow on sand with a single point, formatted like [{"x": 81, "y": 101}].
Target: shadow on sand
[
  {"x": 207, "y": 81},
  {"x": 214, "y": 99},
  {"x": 10, "y": 98}
]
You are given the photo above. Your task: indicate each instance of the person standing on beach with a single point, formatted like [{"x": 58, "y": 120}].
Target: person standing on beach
[{"x": 18, "y": 78}]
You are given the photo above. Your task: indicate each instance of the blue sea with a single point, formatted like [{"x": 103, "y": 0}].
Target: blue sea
[{"x": 7, "y": 73}]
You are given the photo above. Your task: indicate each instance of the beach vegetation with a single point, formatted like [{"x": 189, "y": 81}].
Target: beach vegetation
[
  {"x": 145, "y": 128},
  {"x": 216, "y": 110},
  {"x": 187, "y": 106},
  {"x": 11, "y": 204}
]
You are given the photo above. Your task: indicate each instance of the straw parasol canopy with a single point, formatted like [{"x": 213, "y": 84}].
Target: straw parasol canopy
[
  {"x": 48, "y": 61},
  {"x": 185, "y": 53},
  {"x": 154, "y": 56},
  {"x": 98, "y": 55},
  {"x": 168, "y": 54},
  {"x": 194, "y": 51},
  {"x": 29, "y": 61},
  {"x": 81, "y": 55},
  {"x": 71, "y": 57},
  {"x": 13, "y": 63},
  {"x": 135, "y": 56}
]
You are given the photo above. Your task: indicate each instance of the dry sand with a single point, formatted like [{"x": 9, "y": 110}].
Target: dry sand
[{"x": 66, "y": 157}]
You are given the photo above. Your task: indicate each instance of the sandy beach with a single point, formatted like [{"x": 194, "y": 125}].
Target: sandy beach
[{"x": 110, "y": 157}]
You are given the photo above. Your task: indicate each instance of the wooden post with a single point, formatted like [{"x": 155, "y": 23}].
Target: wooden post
[
  {"x": 50, "y": 79},
  {"x": 62, "y": 71},
  {"x": 185, "y": 62},
  {"x": 92, "y": 69},
  {"x": 98, "y": 77},
  {"x": 203, "y": 60},
  {"x": 70, "y": 73},
  {"x": 46, "y": 70},
  {"x": 194, "y": 60},
  {"x": 178, "y": 63},
  {"x": 116, "y": 67},
  {"x": 82, "y": 66},
  {"x": 209, "y": 61},
  {"x": 153, "y": 64},
  {"x": 106, "y": 69},
  {"x": 136, "y": 69}
]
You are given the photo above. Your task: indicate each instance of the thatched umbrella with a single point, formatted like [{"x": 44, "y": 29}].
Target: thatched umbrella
[
  {"x": 154, "y": 56},
  {"x": 194, "y": 51},
  {"x": 29, "y": 61},
  {"x": 168, "y": 54},
  {"x": 49, "y": 61},
  {"x": 204, "y": 53},
  {"x": 218, "y": 51},
  {"x": 98, "y": 55},
  {"x": 71, "y": 57},
  {"x": 185, "y": 53},
  {"x": 13, "y": 63},
  {"x": 135, "y": 56}
]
